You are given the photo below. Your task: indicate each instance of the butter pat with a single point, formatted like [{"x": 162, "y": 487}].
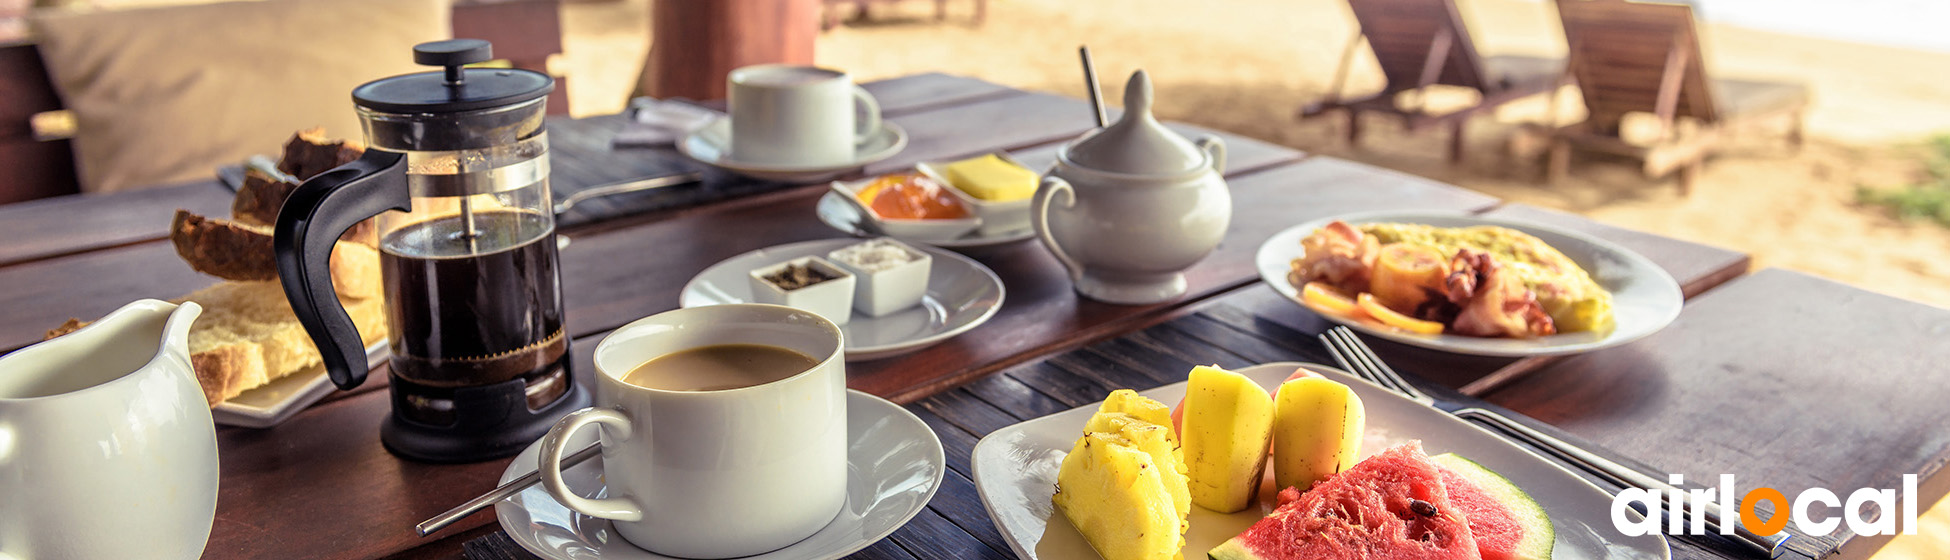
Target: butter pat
[{"x": 991, "y": 178}]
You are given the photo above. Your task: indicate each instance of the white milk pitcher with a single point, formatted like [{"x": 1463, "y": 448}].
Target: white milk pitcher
[{"x": 106, "y": 445}]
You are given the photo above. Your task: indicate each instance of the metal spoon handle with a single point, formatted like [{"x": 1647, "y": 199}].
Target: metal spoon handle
[
  {"x": 1096, "y": 93},
  {"x": 627, "y": 187},
  {"x": 495, "y": 496}
]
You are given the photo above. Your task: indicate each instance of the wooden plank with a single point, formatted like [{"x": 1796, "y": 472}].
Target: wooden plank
[
  {"x": 984, "y": 126},
  {"x": 1782, "y": 379},
  {"x": 52, "y": 227},
  {"x": 933, "y": 90},
  {"x": 1696, "y": 266}
]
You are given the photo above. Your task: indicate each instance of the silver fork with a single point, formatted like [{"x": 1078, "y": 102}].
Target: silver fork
[{"x": 1361, "y": 360}]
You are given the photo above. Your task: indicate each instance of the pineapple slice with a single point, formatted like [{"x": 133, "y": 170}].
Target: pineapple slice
[
  {"x": 1317, "y": 424},
  {"x": 1116, "y": 497},
  {"x": 1228, "y": 422},
  {"x": 1155, "y": 440},
  {"x": 1129, "y": 402}
]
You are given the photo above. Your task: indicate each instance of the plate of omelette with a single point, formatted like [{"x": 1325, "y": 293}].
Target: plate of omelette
[{"x": 1469, "y": 284}]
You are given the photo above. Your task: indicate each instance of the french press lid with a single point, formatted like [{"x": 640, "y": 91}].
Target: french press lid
[{"x": 457, "y": 108}]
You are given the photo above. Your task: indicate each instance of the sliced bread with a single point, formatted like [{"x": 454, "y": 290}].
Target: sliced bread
[
  {"x": 234, "y": 251},
  {"x": 247, "y": 336}
]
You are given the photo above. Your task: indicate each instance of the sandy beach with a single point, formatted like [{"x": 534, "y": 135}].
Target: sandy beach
[{"x": 1245, "y": 66}]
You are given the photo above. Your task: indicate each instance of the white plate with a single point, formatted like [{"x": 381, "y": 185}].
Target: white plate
[
  {"x": 894, "y": 466},
  {"x": 961, "y": 295},
  {"x": 1644, "y": 298},
  {"x": 1015, "y": 471},
  {"x": 835, "y": 211},
  {"x": 712, "y": 146},
  {"x": 281, "y": 399}
]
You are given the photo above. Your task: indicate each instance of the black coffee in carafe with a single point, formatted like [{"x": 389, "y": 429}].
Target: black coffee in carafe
[
  {"x": 475, "y": 306},
  {"x": 457, "y": 172}
]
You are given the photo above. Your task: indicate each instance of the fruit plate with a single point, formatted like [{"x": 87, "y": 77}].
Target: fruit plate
[
  {"x": 1015, "y": 472},
  {"x": 1644, "y": 298}
]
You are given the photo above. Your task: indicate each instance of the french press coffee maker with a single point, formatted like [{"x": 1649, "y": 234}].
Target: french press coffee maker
[{"x": 457, "y": 172}]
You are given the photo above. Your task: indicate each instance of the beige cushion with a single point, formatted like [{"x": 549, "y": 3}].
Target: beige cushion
[{"x": 167, "y": 94}]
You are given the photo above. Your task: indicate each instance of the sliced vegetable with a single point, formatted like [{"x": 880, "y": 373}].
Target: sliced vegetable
[{"x": 1395, "y": 319}]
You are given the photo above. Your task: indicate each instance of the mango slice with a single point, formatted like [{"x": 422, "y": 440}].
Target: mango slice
[{"x": 1317, "y": 424}]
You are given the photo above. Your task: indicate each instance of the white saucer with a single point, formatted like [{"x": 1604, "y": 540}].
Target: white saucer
[
  {"x": 712, "y": 146},
  {"x": 894, "y": 465},
  {"x": 962, "y": 294},
  {"x": 836, "y": 212},
  {"x": 281, "y": 399}
]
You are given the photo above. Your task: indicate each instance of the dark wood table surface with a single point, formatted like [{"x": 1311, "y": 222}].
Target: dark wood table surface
[{"x": 321, "y": 486}]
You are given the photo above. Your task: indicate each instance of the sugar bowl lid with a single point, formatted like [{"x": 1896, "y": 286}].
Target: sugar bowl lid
[{"x": 1137, "y": 143}]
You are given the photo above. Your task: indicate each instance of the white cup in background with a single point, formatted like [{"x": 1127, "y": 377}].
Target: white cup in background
[
  {"x": 804, "y": 116},
  {"x": 715, "y": 473}
]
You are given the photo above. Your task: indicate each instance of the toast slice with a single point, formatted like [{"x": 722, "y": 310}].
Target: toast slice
[
  {"x": 234, "y": 251},
  {"x": 309, "y": 153},
  {"x": 247, "y": 336}
]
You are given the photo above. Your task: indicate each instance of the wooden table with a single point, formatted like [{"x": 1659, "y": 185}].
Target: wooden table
[{"x": 321, "y": 486}]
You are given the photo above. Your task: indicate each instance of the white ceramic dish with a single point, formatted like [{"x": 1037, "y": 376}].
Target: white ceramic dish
[
  {"x": 279, "y": 400},
  {"x": 711, "y": 145},
  {"x": 1015, "y": 472},
  {"x": 894, "y": 465},
  {"x": 883, "y": 289},
  {"x": 849, "y": 192},
  {"x": 836, "y": 211},
  {"x": 961, "y": 295},
  {"x": 832, "y": 299},
  {"x": 997, "y": 217},
  {"x": 1644, "y": 298}
]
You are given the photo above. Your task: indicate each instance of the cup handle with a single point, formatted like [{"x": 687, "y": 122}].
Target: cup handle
[
  {"x": 867, "y": 115},
  {"x": 618, "y": 509},
  {"x": 1039, "y": 216}
]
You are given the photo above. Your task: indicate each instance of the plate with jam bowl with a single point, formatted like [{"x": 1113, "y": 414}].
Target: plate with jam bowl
[
  {"x": 961, "y": 295},
  {"x": 844, "y": 215}
]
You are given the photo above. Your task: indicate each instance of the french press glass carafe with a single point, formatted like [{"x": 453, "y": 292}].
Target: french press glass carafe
[{"x": 457, "y": 172}]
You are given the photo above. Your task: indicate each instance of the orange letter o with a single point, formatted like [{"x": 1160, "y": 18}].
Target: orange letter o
[{"x": 1752, "y": 520}]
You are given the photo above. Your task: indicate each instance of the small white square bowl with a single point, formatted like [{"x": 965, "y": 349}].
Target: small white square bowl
[
  {"x": 997, "y": 217},
  {"x": 880, "y": 291},
  {"x": 832, "y": 299},
  {"x": 849, "y": 191}
]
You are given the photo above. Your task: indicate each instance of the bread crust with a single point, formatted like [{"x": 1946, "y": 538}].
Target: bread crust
[
  {"x": 309, "y": 153},
  {"x": 234, "y": 251},
  {"x": 260, "y": 198}
]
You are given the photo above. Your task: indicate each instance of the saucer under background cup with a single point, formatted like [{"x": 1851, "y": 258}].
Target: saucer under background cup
[{"x": 711, "y": 145}]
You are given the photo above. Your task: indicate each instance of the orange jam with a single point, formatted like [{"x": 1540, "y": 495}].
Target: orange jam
[{"x": 911, "y": 196}]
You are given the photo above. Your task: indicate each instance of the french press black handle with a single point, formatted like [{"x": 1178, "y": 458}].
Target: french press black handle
[{"x": 309, "y": 226}]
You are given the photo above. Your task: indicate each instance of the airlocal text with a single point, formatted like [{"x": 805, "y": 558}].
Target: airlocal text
[{"x": 1655, "y": 505}]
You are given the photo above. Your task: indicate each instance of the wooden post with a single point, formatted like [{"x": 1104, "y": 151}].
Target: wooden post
[{"x": 694, "y": 44}]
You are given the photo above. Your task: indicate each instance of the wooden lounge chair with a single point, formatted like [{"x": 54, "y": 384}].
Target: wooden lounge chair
[
  {"x": 1420, "y": 43},
  {"x": 1635, "y": 57}
]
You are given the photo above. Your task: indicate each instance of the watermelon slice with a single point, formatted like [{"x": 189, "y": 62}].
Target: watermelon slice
[
  {"x": 1391, "y": 506},
  {"x": 1507, "y": 524}
]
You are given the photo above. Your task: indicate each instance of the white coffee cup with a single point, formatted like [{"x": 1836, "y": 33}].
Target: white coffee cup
[
  {"x": 714, "y": 474},
  {"x": 799, "y": 116}
]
